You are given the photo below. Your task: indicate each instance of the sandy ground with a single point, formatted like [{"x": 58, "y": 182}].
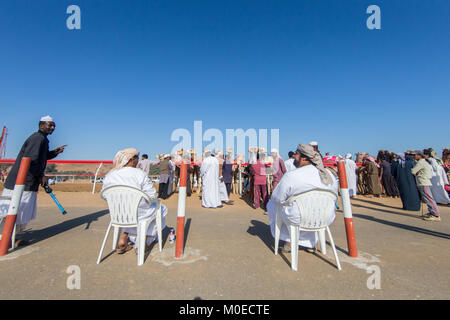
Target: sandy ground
[{"x": 228, "y": 255}]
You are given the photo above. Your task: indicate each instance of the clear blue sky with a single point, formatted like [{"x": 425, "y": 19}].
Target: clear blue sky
[{"x": 137, "y": 70}]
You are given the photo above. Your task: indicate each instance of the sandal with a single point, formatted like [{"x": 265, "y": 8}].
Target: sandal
[
  {"x": 22, "y": 243},
  {"x": 125, "y": 249},
  {"x": 310, "y": 250}
]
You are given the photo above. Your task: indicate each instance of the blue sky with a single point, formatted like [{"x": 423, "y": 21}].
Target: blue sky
[{"x": 137, "y": 70}]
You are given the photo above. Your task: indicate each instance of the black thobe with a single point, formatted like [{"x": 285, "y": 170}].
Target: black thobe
[
  {"x": 188, "y": 181},
  {"x": 406, "y": 184},
  {"x": 36, "y": 148},
  {"x": 387, "y": 180}
]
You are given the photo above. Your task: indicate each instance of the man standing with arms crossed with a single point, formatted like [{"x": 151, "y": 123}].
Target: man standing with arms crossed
[
  {"x": 423, "y": 173},
  {"x": 35, "y": 147}
]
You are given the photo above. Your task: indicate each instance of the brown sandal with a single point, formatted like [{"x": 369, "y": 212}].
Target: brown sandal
[{"x": 125, "y": 249}]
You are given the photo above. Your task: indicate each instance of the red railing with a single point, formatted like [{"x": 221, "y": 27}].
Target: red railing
[{"x": 326, "y": 164}]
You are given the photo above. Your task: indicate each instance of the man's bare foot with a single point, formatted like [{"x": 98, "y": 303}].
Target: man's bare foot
[
  {"x": 286, "y": 248},
  {"x": 123, "y": 246}
]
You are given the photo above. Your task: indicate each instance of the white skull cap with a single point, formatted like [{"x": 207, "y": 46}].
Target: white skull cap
[{"x": 47, "y": 119}]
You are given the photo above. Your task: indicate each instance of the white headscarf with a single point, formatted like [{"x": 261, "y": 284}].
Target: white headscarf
[
  {"x": 123, "y": 157},
  {"x": 348, "y": 156}
]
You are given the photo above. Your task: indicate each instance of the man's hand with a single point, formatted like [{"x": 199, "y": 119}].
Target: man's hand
[
  {"x": 44, "y": 181},
  {"x": 60, "y": 149}
]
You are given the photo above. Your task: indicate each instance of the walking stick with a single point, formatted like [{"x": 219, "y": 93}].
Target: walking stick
[{"x": 50, "y": 192}]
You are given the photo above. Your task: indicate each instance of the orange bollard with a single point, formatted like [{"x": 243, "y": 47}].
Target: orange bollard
[
  {"x": 181, "y": 210},
  {"x": 347, "y": 206},
  {"x": 14, "y": 205}
]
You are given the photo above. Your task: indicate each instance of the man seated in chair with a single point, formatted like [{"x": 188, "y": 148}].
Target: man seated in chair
[
  {"x": 126, "y": 173},
  {"x": 309, "y": 174}
]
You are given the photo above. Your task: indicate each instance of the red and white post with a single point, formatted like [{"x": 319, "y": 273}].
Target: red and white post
[
  {"x": 348, "y": 217},
  {"x": 14, "y": 206},
  {"x": 181, "y": 210}
]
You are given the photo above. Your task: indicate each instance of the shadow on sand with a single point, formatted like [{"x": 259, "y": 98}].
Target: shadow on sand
[
  {"x": 404, "y": 226},
  {"x": 416, "y": 216},
  {"x": 376, "y": 203},
  {"x": 262, "y": 231},
  {"x": 34, "y": 236}
]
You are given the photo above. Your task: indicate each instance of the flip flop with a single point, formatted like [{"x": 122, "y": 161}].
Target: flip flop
[
  {"x": 123, "y": 250},
  {"x": 23, "y": 243}
]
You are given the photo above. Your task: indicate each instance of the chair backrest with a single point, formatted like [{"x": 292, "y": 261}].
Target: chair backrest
[
  {"x": 316, "y": 207},
  {"x": 4, "y": 206},
  {"x": 123, "y": 202}
]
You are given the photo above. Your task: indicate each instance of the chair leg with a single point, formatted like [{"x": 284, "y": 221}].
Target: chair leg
[
  {"x": 13, "y": 237},
  {"x": 158, "y": 228},
  {"x": 322, "y": 240},
  {"x": 103, "y": 244},
  {"x": 278, "y": 225},
  {"x": 294, "y": 247},
  {"x": 334, "y": 249},
  {"x": 116, "y": 237},
  {"x": 141, "y": 239}
]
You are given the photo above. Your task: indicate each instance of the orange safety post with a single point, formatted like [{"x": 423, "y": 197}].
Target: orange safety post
[
  {"x": 14, "y": 206},
  {"x": 347, "y": 206},
  {"x": 181, "y": 210}
]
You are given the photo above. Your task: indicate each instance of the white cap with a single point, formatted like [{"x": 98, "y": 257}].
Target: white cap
[
  {"x": 166, "y": 155},
  {"x": 274, "y": 150},
  {"x": 313, "y": 143},
  {"x": 47, "y": 119}
]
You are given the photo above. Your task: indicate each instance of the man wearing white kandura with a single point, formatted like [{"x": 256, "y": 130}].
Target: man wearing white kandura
[
  {"x": 209, "y": 172},
  {"x": 310, "y": 174},
  {"x": 126, "y": 173}
]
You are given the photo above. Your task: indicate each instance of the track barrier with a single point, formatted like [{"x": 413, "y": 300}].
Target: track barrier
[
  {"x": 347, "y": 207},
  {"x": 14, "y": 205},
  {"x": 181, "y": 210}
]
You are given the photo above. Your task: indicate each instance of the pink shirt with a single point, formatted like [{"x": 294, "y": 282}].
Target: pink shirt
[
  {"x": 258, "y": 171},
  {"x": 278, "y": 169}
]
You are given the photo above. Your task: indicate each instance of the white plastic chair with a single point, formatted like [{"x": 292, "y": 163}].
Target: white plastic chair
[
  {"x": 316, "y": 207},
  {"x": 123, "y": 202},
  {"x": 13, "y": 236}
]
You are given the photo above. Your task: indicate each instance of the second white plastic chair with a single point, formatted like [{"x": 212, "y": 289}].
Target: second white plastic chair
[{"x": 316, "y": 208}]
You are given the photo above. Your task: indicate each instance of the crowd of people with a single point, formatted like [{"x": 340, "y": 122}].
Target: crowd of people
[
  {"x": 414, "y": 176},
  {"x": 266, "y": 180}
]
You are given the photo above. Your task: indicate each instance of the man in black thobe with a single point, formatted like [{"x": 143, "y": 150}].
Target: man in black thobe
[{"x": 35, "y": 147}]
